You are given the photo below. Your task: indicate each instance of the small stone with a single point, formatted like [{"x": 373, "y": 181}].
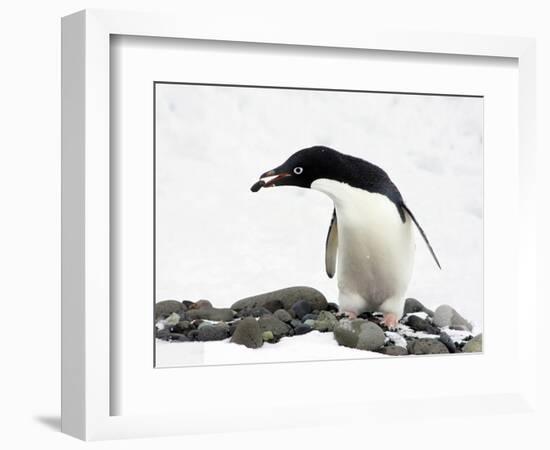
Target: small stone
[
  {"x": 288, "y": 297},
  {"x": 212, "y": 333},
  {"x": 282, "y": 314},
  {"x": 310, "y": 323},
  {"x": 273, "y": 305},
  {"x": 449, "y": 343},
  {"x": 332, "y": 307},
  {"x": 163, "y": 333},
  {"x": 166, "y": 307},
  {"x": 187, "y": 304},
  {"x": 412, "y": 305},
  {"x": 393, "y": 350},
  {"x": 248, "y": 333},
  {"x": 172, "y": 320},
  {"x": 326, "y": 321},
  {"x": 371, "y": 337},
  {"x": 301, "y": 308},
  {"x": 183, "y": 326},
  {"x": 295, "y": 323},
  {"x": 267, "y": 336},
  {"x": 302, "y": 329},
  {"x": 193, "y": 335},
  {"x": 474, "y": 345},
  {"x": 276, "y": 326},
  {"x": 215, "y": 314},
  {"x": 179, "y": 337},
  {"x": 426, "y": 346},
  {"x": 419, "y": 324},
  {"x": 446, "y": 316},
  {"x": 345, "y": 334}
]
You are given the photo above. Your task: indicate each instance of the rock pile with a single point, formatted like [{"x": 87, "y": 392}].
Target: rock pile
[{"x": 269, "y": 317}]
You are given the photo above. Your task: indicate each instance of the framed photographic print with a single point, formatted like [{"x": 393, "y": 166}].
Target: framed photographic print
[{"x": 285, "y": 208}]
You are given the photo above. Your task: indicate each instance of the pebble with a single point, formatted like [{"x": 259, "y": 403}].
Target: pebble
[
  {"x": 474, "y": 345},
  {"x": 302, "y": 329},
  {"x": 166, "y": 307},
  {"x": 172, "y": 320},
  {"x": 426, "y": 346},
  {"x": 302, "y": 308},
  {"x": 393, "y": 350},
  {"x": 449, "y": 343},
  {"x": 295, "y": 323},
  {"x": 326, "y": 321},
  {"x": 332, "y": 307},
  {"x": 446, "y": 316},
  {"x": 419, "y": 324},
  {"x": 248, "y": 333},
  {"x": 310, "y": 323},
  {"x": 371, "y": 337},
  {"x": 412, "y": 305},
  {"x": 310, "y": 316},
  {"x": 216, "y": 314},
  {"x": 345, "y": 334},
  {"x": 282, "y": 314},
  {"x": 276, "y": 326},
  {"x": 179, "y": 337},
  {"x": 267, "y": 336}
]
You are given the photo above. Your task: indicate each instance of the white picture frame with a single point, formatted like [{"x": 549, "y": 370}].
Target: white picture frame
[{"x": 87, "y": 356}]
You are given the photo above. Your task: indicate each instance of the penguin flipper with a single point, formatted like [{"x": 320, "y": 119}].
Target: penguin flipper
[
  {"x": 331, "y": 246},
  {"x": 411, "y": 215}
]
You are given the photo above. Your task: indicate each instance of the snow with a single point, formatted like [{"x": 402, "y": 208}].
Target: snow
[
  {"x": 313, "y": 346},
  {"x": 217, "y": 240}
]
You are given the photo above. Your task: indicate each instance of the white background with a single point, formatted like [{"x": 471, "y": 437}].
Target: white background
[{"x": 30, "y": 201}]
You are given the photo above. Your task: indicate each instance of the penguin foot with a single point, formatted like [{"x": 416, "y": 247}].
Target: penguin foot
[{"x": 390, "y": 321}]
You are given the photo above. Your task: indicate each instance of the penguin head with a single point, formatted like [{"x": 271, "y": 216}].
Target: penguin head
[{"x": 302, "y": 168}]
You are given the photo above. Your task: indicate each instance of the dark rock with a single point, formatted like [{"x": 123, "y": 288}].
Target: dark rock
[
  {"x": 302, "y": 329},
  {"x": 282, "y": 314},
  {"x": 166, "y": 307},
  {"x": 259, "y": 312},
  {"x": 193, "y": 335},
  {"x": 419, "y": 324},
  {"x": 295, "y": 323},
  {"x": 273, "y": 305},
  {"x": 474, "y": 345},
  {"x": 332, "y": 307},
  {"x": 393, "y": 350},
  {"x": 162, "y": 334},
  {"x": 288, "y": 297},
  {"x": 217, "y": 314},
  {"x": 212, "y": 333},
  {"x": 412, "y": 305},
  {"x": 366, "y": 315},
  {"x": 183, "y": 326},
  {"x": 426, "y": 346},
  {"x": 179, "y": 337},
  {"x": 248, "y": 333},
  {"x": 371, "y": 337},
  {"x": 449, "y": 343},
  {"x": 301, "y": 308},
  {"x": 233, "y": 326},
  {"x": 326, "y": 321},
  {"x": 276, "y": 326},
  {"x": 446, "y": 316},
  {"x": 187, "y": 304}
]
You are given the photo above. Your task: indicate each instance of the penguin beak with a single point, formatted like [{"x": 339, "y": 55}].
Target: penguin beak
[{"x": 275, "y": 175}]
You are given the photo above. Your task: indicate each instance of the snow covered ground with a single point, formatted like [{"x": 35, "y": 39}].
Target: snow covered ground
[{"x": 217, "y": 240}]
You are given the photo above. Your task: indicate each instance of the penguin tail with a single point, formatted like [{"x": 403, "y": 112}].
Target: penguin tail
[{"x": 411, "y": 215}]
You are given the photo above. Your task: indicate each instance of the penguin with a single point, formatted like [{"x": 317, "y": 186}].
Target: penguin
[{"x": 370, "y": 244}]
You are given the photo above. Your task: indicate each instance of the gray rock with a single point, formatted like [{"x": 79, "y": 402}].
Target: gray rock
[
  {"x": 166, "y": 307},
  {"x": 302, "y": 329},
  {"x": 393, "y": 350},
  {"x": 283, "y": 315},
  {"x": 412, "y": 305},
  {"x": 295, "y": 323},
  {"x": 326, "y": 321},
  {"x": 332, "y": 307},
  {"x": 267, "y": 336},
  {"x": 172, "y": 320},
  {"x": 371, "y": 337},
  {"x": 446, "y": 316},
  {"x": 310, "y": 316},
  {"x": 179, "y": 337},
  {"x": 287, "y": 297},
  {"x": 212, "y": 333},
  {"x": 345, "y": 334},
  {"x": 183, "y": 326},
  {"x": 474, "y": 345},
  {"x": 449, "y": 343},
  {"x": 426, "y": 346},
  {"x": 310, "y": 323},
  {"x": 217, "y": 314},
  {"x": 276, "y": 326},
  {"x": 248, "y": 333},
  {"x": 202, "y": 304},
  {"x": 419, "y": 324}
]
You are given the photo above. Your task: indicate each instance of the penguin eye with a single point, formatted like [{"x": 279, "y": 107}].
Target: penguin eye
[{"x": 298, "y": 170}]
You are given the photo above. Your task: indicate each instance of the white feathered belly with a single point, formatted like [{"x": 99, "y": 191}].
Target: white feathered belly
[{"x": 375, "y": 248}]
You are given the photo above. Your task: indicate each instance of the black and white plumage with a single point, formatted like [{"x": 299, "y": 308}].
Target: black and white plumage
[{"x": 370, "y": 243}]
